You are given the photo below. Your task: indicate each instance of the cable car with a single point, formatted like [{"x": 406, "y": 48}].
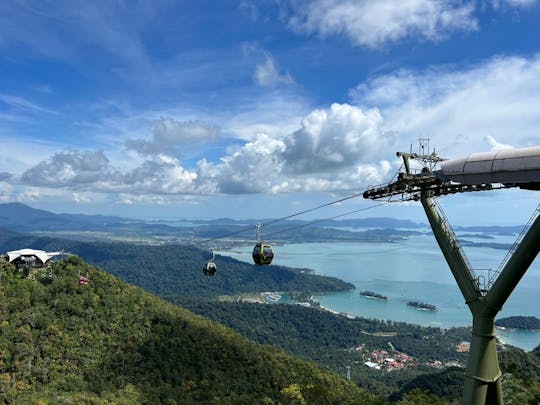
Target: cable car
[
  {"x": 210, "y": 268},
  {"x": 262, "y": 253},
  {"x": 83, "y": 280}
]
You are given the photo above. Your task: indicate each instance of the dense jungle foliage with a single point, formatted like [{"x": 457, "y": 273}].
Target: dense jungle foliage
[
  {"x": 109, "y": 342},
  {"x": 330, "y": 340}
]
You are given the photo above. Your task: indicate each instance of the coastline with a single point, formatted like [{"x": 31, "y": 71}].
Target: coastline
[{"x": 403, "y": 275}]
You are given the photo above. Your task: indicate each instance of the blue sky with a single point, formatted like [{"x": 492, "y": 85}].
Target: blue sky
[{"x": 258, "y": 109}]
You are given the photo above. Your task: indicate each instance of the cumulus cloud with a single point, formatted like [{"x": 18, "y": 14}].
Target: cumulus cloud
[
  {"x": 92, "y": 171},
  {"x": 71, "y": 169},
  {"x": 267, "y": 74},
  {"x": 335, "y": 139},
  {"x": 373, "y": 23},
  {"x": 459, "y": 109},
  {"x": 168, "y": 135},
  {"x": 333, "y": 149},
  {"x": 253, "y": 168},
  {"x": 163, "y": 175},
  {"x": 345, "y": 147}
]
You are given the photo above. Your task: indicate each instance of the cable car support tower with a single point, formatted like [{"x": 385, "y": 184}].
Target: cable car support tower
[{"x": 484, "y": 295}]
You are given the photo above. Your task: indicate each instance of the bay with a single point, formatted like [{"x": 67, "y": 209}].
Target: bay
[{"x": 413, "y": 270}]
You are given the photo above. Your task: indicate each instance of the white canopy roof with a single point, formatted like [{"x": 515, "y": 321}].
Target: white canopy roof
[{"x": 40, "y": 254}]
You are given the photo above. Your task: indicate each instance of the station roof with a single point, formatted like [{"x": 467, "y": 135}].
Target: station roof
[{"x": 39, "y": 254}]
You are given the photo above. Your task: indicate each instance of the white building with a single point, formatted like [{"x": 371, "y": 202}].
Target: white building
[{"x": 36, "y": 258}]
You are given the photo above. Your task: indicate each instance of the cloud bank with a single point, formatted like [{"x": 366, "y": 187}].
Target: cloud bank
[
  {"x": 342, "y": 148},
  {"x": 169, "y": 135},
  {"x": 373, "y": 23},
  {"x": 458, "y": 109},
  {"x": 334, "y": 149}
]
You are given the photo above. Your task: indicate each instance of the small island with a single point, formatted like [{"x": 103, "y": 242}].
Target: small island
[
  {"x": 371, "y": 294},
  {"x": 422, "y": 306},
  {"x": 519, "y": 322}
]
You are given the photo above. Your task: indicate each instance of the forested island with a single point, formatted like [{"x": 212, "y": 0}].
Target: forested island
[
  {"x": 422, "y": 305},
  {"x": 519, "y": 322},
  {"x": 371, "y": 294}
]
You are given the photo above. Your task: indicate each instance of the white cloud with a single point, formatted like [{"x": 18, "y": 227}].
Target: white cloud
[
  {"x": 495, "y": 145},
  {"x": 345, "y": 147},
  {"x": 335, "y": 139},
  {"x": 80, "y": 198},
  {"x": 373, "y": 23},
  {"x": 162, "y": 175},
  {"x": 513, "y": 3},
  {"x": 334, "y": 149},
  {"x": 267, "y": 74},
  {"x": 459, "y": 109},
  {"x": 252, "y": 168},
  {"x": 32, "y": 194},
  {"x": 71, "y": 169},
  {"x": 132, "y": 199},
  {"x": 24, "y": 104},
  {"x": 169, "y": 134}
]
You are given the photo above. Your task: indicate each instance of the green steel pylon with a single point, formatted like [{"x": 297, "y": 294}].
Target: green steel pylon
[{"x": 482, "y": 384}]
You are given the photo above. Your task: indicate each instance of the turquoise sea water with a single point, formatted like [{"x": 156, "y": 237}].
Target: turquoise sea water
[{"x": 412, "y": 270}]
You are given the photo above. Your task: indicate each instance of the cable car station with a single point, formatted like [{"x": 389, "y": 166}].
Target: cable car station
[{"x": 485, "y": 297}]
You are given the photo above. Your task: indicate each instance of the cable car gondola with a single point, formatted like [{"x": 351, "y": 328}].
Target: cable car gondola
[
  {"x": 210, "y": 268},
  {"x": 262, "y": 252}
]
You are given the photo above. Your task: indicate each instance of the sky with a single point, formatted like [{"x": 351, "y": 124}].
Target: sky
[{"x": 259, "y": 109}]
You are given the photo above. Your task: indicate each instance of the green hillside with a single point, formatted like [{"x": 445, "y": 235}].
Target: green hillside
[
  {"x": 334, "y": 342},
  {"x": 109, "y": 342}
]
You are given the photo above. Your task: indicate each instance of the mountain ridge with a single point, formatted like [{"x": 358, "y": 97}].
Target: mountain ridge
[{"x": 109, "y": 341}]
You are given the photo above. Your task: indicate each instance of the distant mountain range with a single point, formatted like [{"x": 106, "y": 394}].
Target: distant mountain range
[
  {"x": 22, "y": 218},
  {"x": 21, "y": 215}
]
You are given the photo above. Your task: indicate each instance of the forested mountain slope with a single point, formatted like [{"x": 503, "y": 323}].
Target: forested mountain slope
[
  {"x": 62, "y": 342},
  {"x": 335, "y": 342}
]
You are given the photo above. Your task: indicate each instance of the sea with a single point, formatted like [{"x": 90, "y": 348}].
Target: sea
[{"x": 412, "y": 269}]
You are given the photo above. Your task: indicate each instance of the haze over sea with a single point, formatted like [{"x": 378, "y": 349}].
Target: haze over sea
[{"x": 411, "y": 270}]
